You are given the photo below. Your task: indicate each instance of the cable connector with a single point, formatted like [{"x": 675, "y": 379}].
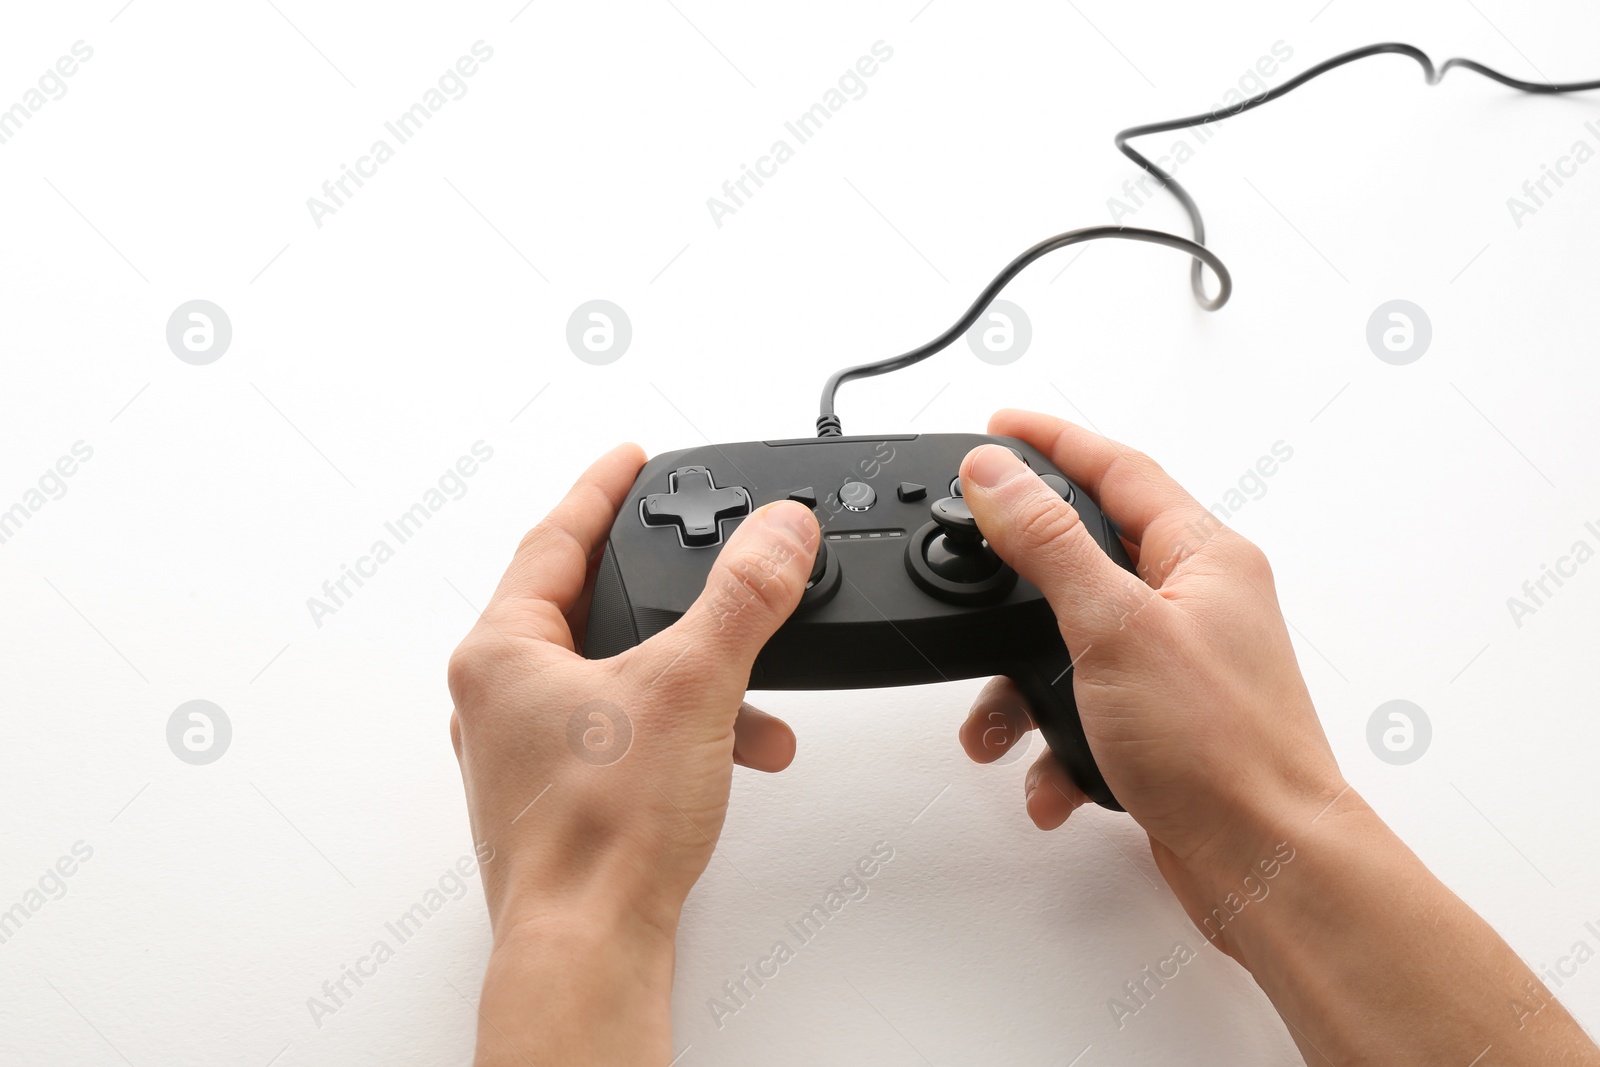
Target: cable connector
[{"x": 829, "y": 426}]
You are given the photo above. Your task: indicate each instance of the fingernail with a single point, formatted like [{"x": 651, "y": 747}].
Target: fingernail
[
  {"x": 794, "y": 517},
  {"x": 993, "y": 466}
]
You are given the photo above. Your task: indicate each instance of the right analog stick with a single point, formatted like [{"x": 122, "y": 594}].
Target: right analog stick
[
  {"x": 957, "y": 553},
  {"x": 956, "y": 522},
  {"x": 949, "y": 559}
]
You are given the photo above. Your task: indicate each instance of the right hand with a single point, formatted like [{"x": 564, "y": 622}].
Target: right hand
[{"x": 1186, "y": 681}]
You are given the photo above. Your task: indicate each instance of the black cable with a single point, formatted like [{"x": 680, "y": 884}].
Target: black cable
[{"x": 828, "y": 422}]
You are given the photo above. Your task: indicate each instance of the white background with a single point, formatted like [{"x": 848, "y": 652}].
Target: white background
[{"x": 429, "y": 313}]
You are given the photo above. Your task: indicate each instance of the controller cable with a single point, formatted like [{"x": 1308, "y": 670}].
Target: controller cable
[{"x": 828, "y": 421}]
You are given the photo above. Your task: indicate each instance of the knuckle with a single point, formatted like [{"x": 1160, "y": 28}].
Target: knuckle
[
  {"x": 533, "y": 539},
  {"x": 1144, "y": 463},
  {"x": 1135, "y": 469},
  {"x": 1249, "y": 558},
  {"x": 1131, "y": 461},
  {"x": 539, "y": 540},
  {"x": 1046, "y": 524},
  {"x": 471, "y": 665}
]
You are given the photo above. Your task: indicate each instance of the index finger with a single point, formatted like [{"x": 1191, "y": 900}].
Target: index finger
[
  {"x": 546, "y": 575},
  {"x": 1130, "y": 487}
]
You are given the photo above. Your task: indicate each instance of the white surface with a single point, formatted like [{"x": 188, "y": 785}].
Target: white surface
[{"x": 219, "y": 898}]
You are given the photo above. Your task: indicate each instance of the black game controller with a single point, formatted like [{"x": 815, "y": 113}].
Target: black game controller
[{"x": 903, "y": 590}]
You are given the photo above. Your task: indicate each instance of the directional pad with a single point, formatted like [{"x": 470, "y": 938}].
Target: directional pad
[{"x": 695, "y": 506}]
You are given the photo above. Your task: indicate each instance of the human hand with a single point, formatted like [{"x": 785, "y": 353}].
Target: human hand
[
  {"x": 1186, "y": 682},
  {"x": 1198, "y": 717},
  {"x": 599, "y": 787}
]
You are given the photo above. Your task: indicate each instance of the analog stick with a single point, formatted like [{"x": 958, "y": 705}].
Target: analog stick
[
  {"x": 958, "y": 553},
  {"x": 819, "y": 566}
]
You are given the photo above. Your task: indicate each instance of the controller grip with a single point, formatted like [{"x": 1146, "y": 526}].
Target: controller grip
[{"x": 1046, "y": 684}]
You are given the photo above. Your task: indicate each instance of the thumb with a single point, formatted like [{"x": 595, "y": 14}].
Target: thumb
[
  {"x": 752, "y": 589},
  {"x": 1044, "y": 540}
]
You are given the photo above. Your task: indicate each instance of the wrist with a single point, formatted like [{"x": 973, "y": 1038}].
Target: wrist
[
  {"x": 568, "y": 984},
  {"x": 1292, "y": 868},
  {"x": 1257, "y": 822},
  {"x": 540, "y": 891},
  {"x": 600, "y": 905}
]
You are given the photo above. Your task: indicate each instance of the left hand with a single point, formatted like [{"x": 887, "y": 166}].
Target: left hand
[
  {"x": 597, "y": 788},
  {"x": 609, "y": 779}
]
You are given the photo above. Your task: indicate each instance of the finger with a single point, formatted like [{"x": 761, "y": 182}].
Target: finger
[
  {"x": 1129, "y": 486},
  {"x": 762, "y": 742},
  {"x": 546, "y": 576},
  {"x": 998, "y": 720},
  {"x": 752, "y": 589},
  {"x": 1051, "y": 796},
  {"x": 1041, "y": 536},
  {"x": 578, "y": 614}
]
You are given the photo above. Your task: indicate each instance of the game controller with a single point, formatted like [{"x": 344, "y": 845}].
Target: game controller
[{"x": 903, "y": 589}]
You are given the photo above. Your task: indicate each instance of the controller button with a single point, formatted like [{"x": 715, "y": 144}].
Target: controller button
[
  {"x": 910, "y": 491},
  {"x": 806, "y": 496},
  {"x": 1062, "y": 487},
  {"x": 857, "y": 496},
  {"x": 695, "y": 506}
]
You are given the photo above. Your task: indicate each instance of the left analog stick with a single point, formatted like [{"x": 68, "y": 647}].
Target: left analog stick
[{"x": 819, "y": 566}]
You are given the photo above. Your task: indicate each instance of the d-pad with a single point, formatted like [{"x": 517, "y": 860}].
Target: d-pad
[{"x": 695, "y": 506}]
